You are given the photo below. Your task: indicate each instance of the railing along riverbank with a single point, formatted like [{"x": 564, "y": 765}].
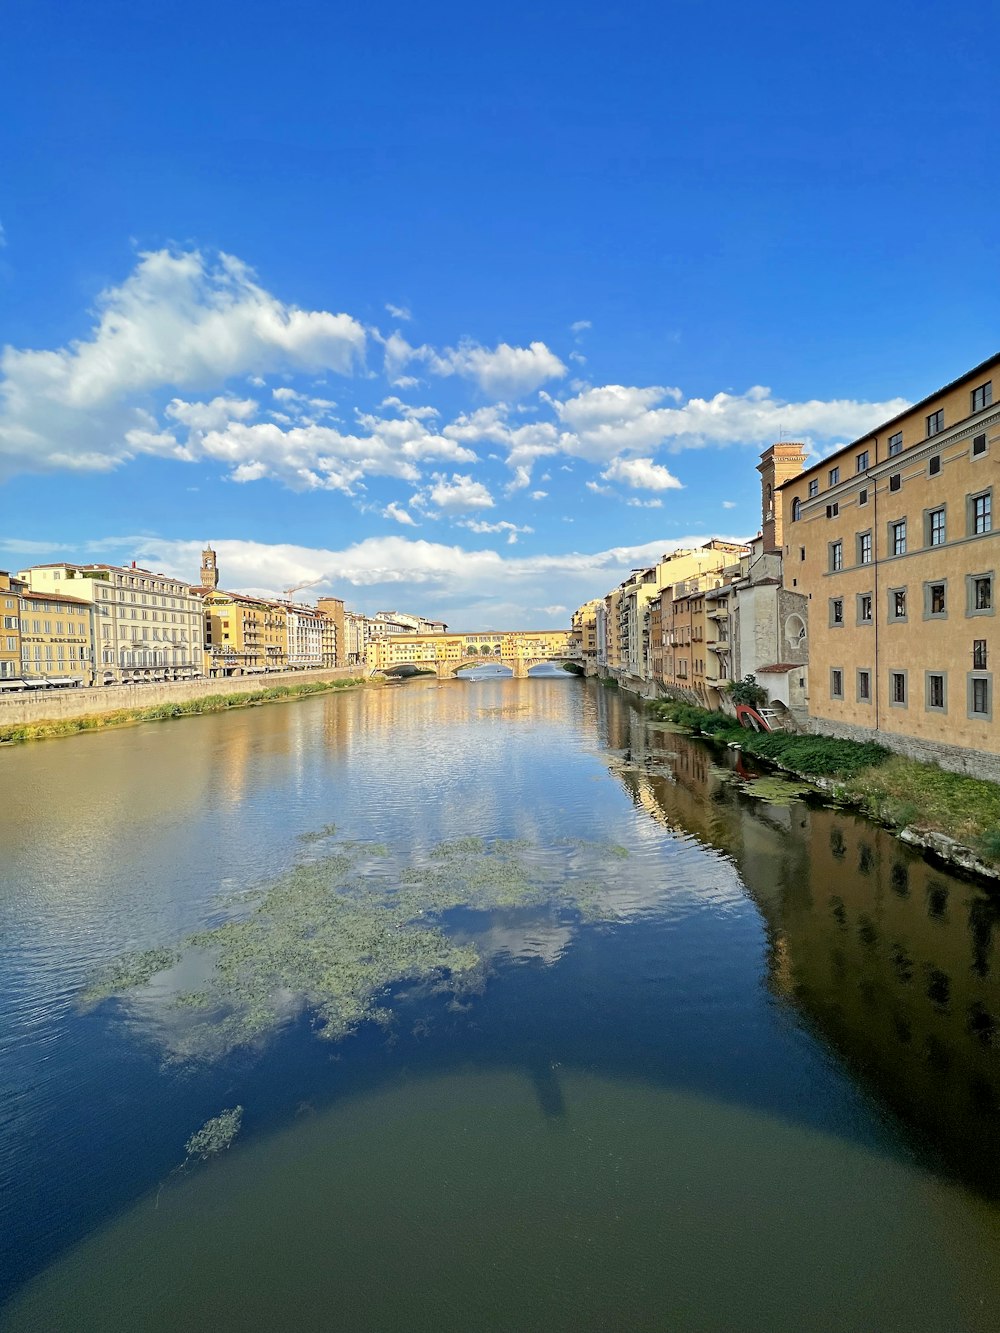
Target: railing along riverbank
[{"x": 40, "y": 715}]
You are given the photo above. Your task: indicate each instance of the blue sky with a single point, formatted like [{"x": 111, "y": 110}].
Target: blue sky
[{"x": 463, "y": 309}]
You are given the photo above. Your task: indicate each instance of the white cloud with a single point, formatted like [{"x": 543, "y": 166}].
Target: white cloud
[
  {"x": 644, "y": 504},
  {"x": 434, "y": 578},
  {"x": 580, "y": 326},
  {"x": 459, "y": 495},
  {"x": 603, "y": 423},
  {"x": 641, "y": 474},
  {"x": 500, "y": 371},
  {"x": 312, "y": 456},
  {"x": 180, "y": 320},
  {"x": 539, "y": 495},
  {"x": 729, "y": 504},
  {"x": 598, "y": 489},
  {"x": 506, "y": 369},
  {"x": 214, "y": 415},
  {"x": 480, "y": 526},
  {"x": 398, "y": 311},
  {"x": 395, "y": 511}
]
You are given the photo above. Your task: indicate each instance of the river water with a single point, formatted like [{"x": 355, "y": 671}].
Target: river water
[{"x": 530, "y": 1014}]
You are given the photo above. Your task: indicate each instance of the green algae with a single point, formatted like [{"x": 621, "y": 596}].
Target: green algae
[
  {"x": 338, "y": 935},
  {"x": 129, "y": 971},
  {"x": 318, "y": 835},
  {"x": 215, "y": 1135},
  {"x": 775, "y": 790}
]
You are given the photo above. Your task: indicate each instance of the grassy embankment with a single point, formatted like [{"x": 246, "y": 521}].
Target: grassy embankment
[
  {"x": 898, "y": 792},
  {"x": 208, "y": 703}
]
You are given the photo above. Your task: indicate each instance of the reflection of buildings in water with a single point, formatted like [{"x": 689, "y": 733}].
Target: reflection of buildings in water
[
  {"x": 893, "y": 960},
  {"x": 889, "y": 959}
]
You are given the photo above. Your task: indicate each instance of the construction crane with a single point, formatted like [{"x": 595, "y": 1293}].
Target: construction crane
[{"x": 299, "y": 586}]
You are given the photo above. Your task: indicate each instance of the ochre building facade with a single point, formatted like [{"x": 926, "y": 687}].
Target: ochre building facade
[{"x": 894, "y": 542}]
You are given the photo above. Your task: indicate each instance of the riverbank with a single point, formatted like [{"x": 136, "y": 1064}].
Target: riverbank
[
  {"x": 952, "y": 816},
  {"x": 182, "y": 700}
]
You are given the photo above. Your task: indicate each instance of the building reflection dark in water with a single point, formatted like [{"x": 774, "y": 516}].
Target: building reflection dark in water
[{"x": 887, "y": 958}]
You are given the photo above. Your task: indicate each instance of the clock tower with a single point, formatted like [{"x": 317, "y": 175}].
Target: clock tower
[{"x": 209, "y": 569}]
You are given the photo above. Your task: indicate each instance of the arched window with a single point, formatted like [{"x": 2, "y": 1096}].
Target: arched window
[
  {"x": 796, "y": 509},
  {"x": 795, "y": 631}
]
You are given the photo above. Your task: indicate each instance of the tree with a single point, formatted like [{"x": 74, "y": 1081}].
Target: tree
[{"x": 747, "y": 691}]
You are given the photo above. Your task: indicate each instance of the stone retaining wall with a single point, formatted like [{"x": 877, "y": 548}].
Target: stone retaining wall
[
  {"x": 971, "y": 763},
  {"x": 62, "y": 704}
]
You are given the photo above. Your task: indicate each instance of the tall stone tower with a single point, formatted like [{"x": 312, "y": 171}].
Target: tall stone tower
[
  {"x": 778, "y": 464},
  {"x": 209, "y": 569}
]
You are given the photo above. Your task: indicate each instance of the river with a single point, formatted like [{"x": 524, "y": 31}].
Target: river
[{"x": 501, "y": 1008}]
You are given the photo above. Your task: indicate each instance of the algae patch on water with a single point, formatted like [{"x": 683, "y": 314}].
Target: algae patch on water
[
  {"x": 215, "y": 1135},
  {"x": 338, "y": 933}
]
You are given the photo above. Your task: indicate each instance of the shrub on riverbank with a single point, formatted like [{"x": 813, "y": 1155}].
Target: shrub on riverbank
[
  {"x": 207, "y": 703},
  {"x": 814, "y": 756},
  {"x": 967, "y": 809},
  {"x": 894, "y": 790}
]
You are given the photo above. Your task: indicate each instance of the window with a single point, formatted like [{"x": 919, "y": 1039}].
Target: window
[
  {"x": 978, "y": 445},
  {"x": 979, "y": 594},
  {"x": 981, "y": 512},
  {"x": 814, "y": 487},
  {"x": 897, "y": 537},
  {"x": 979, "y": 654},
  {"x": 836, "y": 556},
  {"x": 836, "y": 683},
  {"x": 895, "y": 444},
  {"x": 897, "y": 604},
  {"x": 897, "y": 688},
  {"x": 863, "y": 496},
  {"x": 832, "y": 510},
  {"x": 861, "y": 462},
  {"x": 864, "y": 548},
  {"x": 935, "y": 692},
  {"x": 935, "y": 422},
  {"x": 895, "y": 481},
  {"x": 935, "y": 600},
  {"x": 981, "y": 698},
  {"x": 934, "y": 534},
  {"x": 864, "y": 608},
  {"x": 864, "y": 686},
  {"x": 834, "y": 475},
  {"x": 796, "y": 509},
  {"x": 836, "y": 610},
  {"x": 802, "y": 552},
  {"x": 934, "y": 465},
  {"x": 983, "y": 396}
]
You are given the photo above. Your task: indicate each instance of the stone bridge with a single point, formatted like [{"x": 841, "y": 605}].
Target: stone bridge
[
  {"x": 520, "y": 666},
  {"x": 447, "y": 654}
]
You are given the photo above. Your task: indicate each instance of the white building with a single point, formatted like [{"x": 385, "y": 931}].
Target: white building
[{"x": 146, "y": 626}]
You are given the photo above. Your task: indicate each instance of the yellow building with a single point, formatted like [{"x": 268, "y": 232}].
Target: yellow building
[
  {"x": 243, "y": 635},
  {"x": 56, "y": 639},
  {"x": 334, "y": 647},
  {"x": 893, "y": 541},
  {"x": 10, "y": 630},
  {"x": 448, "y": 653},
  {"x": 583, "y": 632}
]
